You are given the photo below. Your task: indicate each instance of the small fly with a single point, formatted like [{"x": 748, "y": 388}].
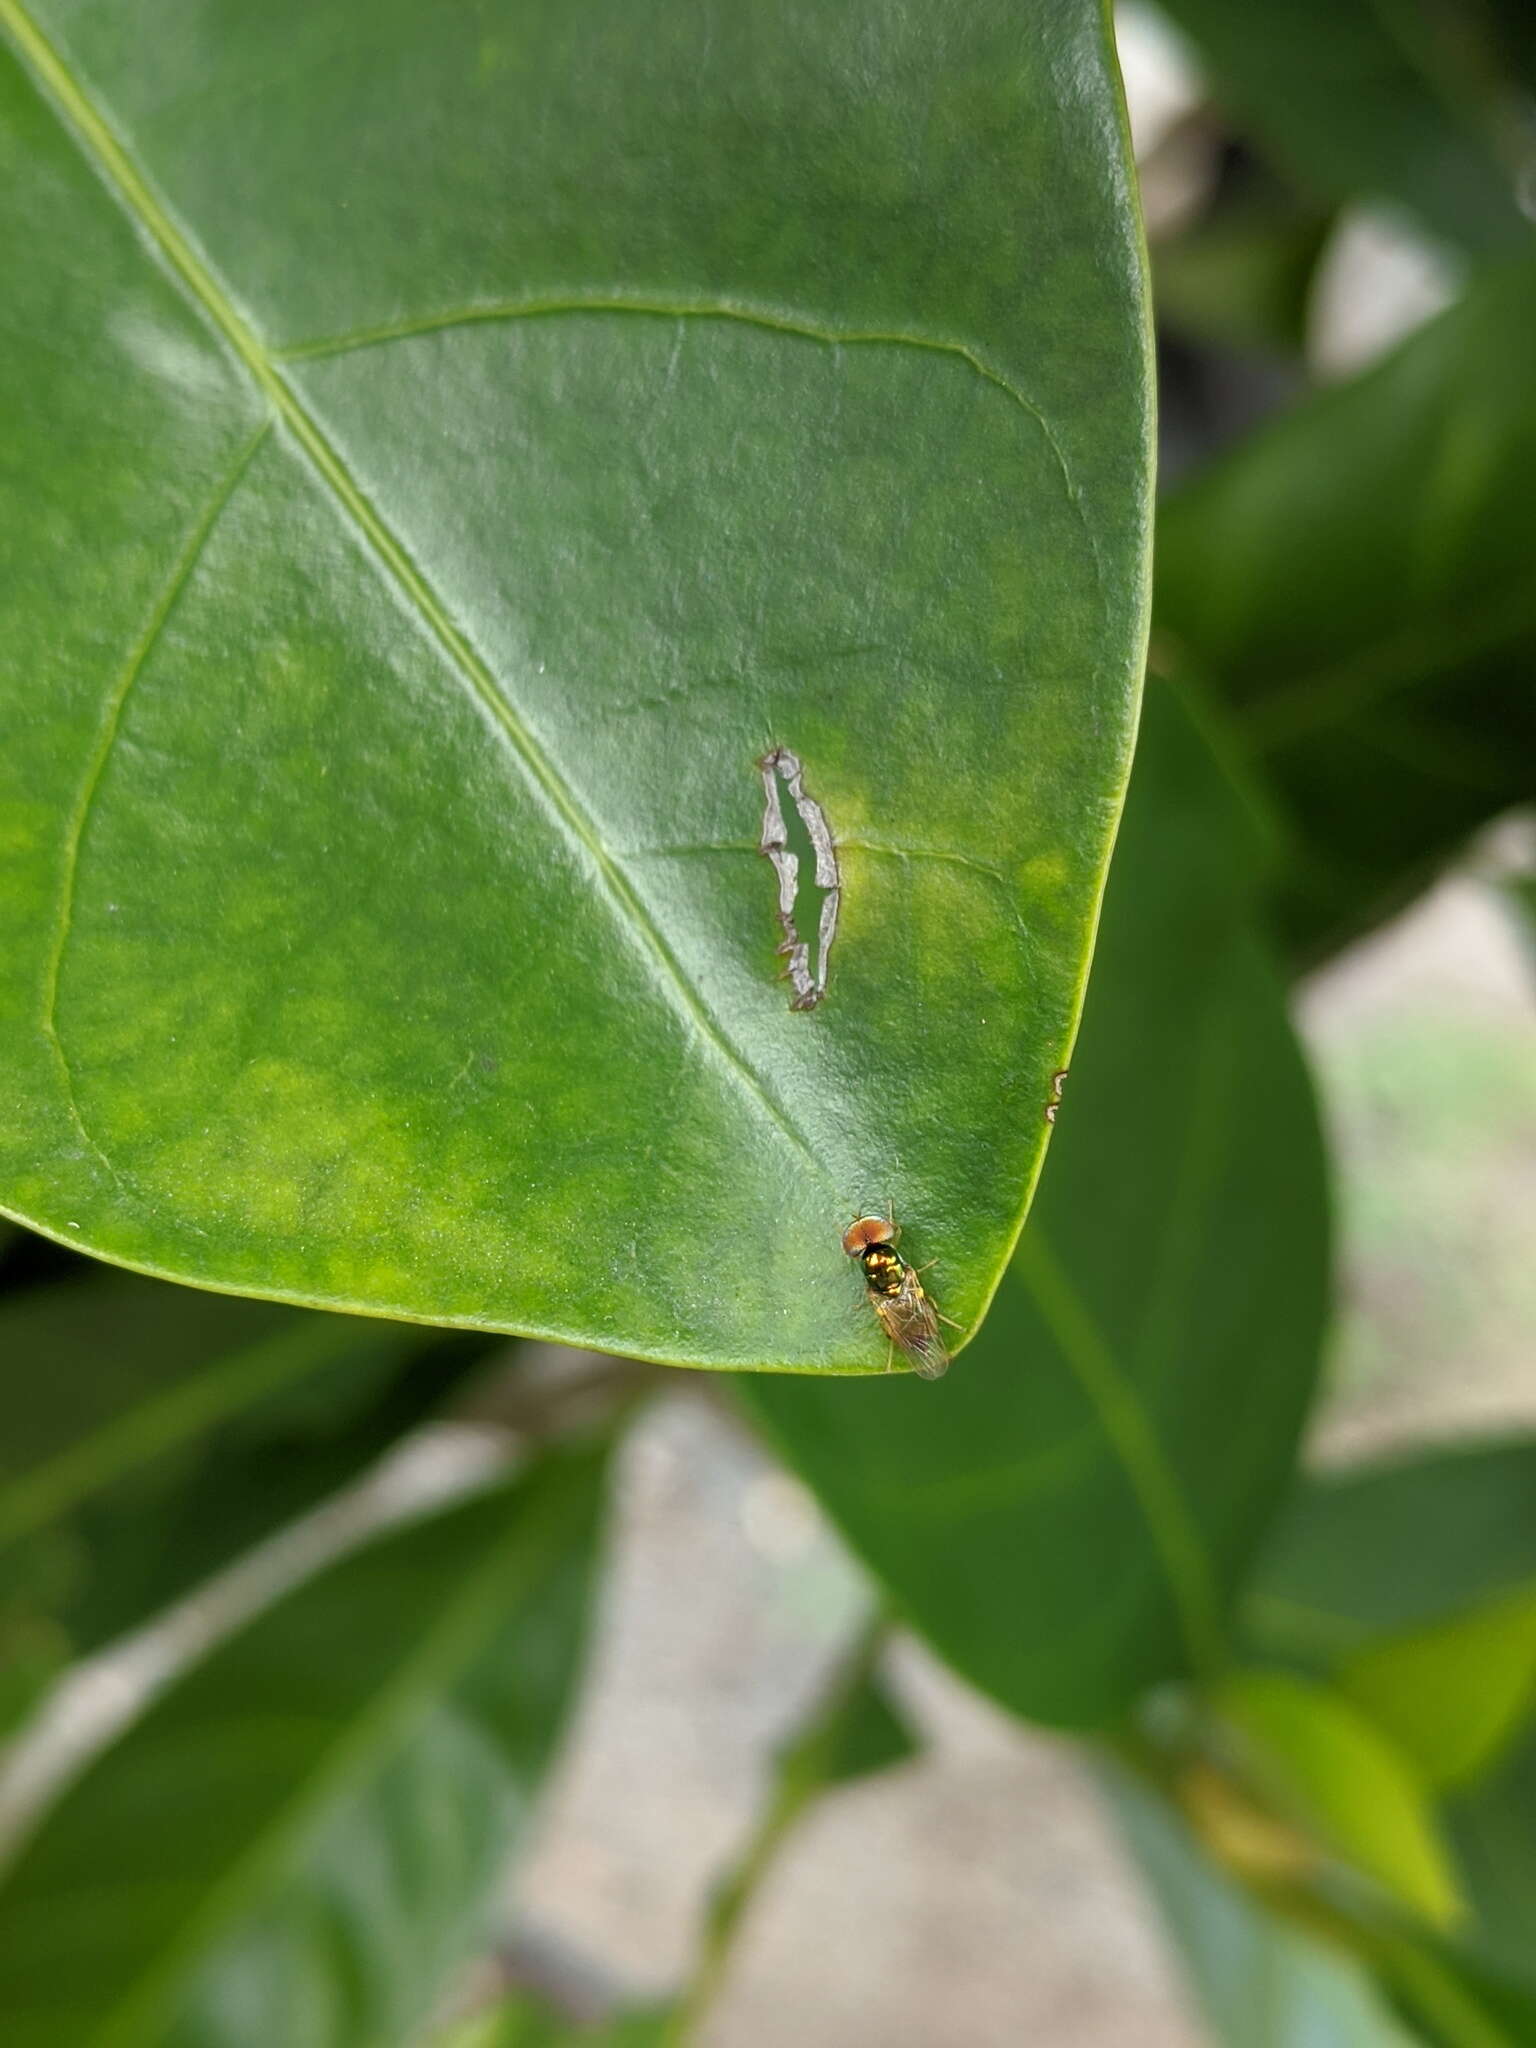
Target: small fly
[{"x": 898, "y": 1297}]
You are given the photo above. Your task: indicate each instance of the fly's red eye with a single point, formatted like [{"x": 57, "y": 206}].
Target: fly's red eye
[{"x": 858, "y": 1237}]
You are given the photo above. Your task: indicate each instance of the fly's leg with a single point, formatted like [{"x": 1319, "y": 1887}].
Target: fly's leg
[
  {"x": 890, "y": 1353},
  {"x": 948, "y": 1319}
]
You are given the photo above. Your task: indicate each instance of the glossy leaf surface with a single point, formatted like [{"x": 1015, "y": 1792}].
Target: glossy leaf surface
[
  {"x": 1356, "y": 580},
  {"x": 455, "y": 445},
  {"x": 1065, "y": 1516},
  {"x": 299, "y": 1842}
]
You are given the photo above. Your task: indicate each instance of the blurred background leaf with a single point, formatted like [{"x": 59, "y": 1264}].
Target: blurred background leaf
[
  {"x": 1455, "y": 2000},
  {"x": 1388, "y": 1549},
  {"x": 301, "y": 1839},
  {"x": 1066, "y": 1523},
  {"x": 860, "y": 1731},
  {"x": 1241, "y": 277},
  {"x": 1514, "y": 29},
  {"x": 1262, "y": 1981},
  {"x": 1493, "y": 1825},
  {"x": 1389, "y": 100},
  {"x": 1413, "y": 1585},
  {"x": 150, "y": 1433},
  {"x": 851, "y": 1730},
  {"x": 1355, "y": 582},
  {"x": 1322, "y": 1763},
  {"x": 1280, "y": 1960},
  {"x": 523, "y": 2023},
  {"x": 1454, "y": 1694}
]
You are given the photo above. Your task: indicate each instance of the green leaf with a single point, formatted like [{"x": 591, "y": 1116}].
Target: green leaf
[
  {"x": 1262, "y": 1981},
  {"x": 150, "y": 1433},
  {"x": 850, "y": 1731},
  {"x": 1239, "y": 274},
  {"x": 1513, "y": 30},
  {"x": 1451, "y": 1697},
  {"x": 866, "y": 1735},
  {"x": 523, "y": 2023},
  {"x": 1328, "y": 1768},
  {"x": 302, "y": 1839},
  {"x": 1493, "y": 1827},
  {"x": 442, "y": 475},
  {"x": 1458, "y": 2001},
  {"x": 1520, "y": 891},
  {"x": 1066, "y": 1516},
  {"x": 1412, "y": 1585},
  {"x": 1377, "y": 99},
  {"x": 1393, "y": 1549},
  {"x": 1355, "y": 580},
  {"x": 1298, "y": 1971},
  {"x": 1243, "y": 281}
]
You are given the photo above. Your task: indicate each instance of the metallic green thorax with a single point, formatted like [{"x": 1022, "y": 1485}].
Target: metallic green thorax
[{"x": 884, "y": 1268}]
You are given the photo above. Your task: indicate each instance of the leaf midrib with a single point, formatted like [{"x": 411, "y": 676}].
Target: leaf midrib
[
  {"x": 1128, "y": 1428},
  {"x": 112, "y": 164}
]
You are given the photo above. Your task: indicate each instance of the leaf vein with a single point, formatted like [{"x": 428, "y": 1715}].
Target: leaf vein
[
  {"x": 1207, "y": 1135},
  {"x": 96, "y": 767},
  {"x": 101, "y": 147},
  {"x": 1170, "y": 1521},
  {"x": 515, "y": 1563},
  {"x": 771, "y": 320}
]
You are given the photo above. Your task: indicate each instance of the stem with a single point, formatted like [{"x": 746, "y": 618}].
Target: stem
[{"x": 801, "y": 1773}]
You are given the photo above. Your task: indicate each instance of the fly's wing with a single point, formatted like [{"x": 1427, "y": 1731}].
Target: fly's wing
[{"x": 912, "y": 1323}]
